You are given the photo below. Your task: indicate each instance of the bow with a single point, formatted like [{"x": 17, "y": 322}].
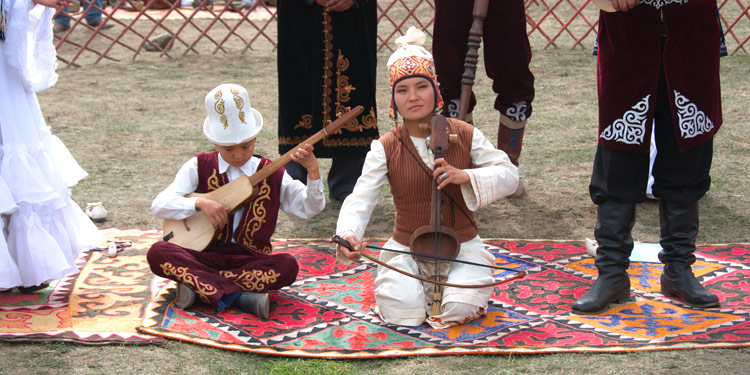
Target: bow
[{"x": 338, "y": 240}]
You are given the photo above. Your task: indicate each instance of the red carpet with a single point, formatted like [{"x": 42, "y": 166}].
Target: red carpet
[{"x": 326, "y": 313}]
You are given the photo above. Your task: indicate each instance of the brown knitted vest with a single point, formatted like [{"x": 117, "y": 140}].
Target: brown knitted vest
[{"x": 411, "y": 184}]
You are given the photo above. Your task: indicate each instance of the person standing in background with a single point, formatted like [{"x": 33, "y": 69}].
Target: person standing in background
[
  {"x": 46, "y": 230},
  {"x": 507, "y": 55},
  {"x": 327, "y": 64}
]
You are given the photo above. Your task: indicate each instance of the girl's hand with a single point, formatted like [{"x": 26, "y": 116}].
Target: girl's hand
[
  {"x": 357, "y": 246},
  {"x": 446, "y": 174},
  {"x": 216, "y": 213},
  {"x": 305, "y": 157}
]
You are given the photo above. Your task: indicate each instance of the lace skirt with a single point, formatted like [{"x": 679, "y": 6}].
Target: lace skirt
[{"x": 43, "y": 230}]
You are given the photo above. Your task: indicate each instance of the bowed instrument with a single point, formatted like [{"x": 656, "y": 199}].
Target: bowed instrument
[{"x": 434, "y": 238}]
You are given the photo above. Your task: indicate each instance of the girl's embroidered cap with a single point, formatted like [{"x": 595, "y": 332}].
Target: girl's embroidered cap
[
  {"x": 230, "y": 120},
  {"x": 412, "y": 60}
]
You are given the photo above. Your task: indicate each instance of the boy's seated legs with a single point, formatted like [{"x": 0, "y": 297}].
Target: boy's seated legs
[{"x": 220, "y": 274}]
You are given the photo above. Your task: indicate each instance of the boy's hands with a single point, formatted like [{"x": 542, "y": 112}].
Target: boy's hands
[
  {"x": 305, "y": 157},
  {"x": 214, "y": 211}
]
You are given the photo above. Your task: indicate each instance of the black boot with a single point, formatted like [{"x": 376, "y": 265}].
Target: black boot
[
  {"x": 613, "y": 225},
  {"x": 679, "y": 228}
]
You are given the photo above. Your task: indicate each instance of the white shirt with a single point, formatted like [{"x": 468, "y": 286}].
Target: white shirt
[
  {"x": 492, "y": 178},
  {"x": 296, "y": 198}
]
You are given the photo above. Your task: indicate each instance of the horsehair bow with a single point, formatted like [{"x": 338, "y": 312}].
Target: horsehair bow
[{"x": 340, "y": 241}]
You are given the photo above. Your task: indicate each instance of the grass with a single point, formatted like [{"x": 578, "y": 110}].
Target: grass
[{"x": 131, "y": 125}]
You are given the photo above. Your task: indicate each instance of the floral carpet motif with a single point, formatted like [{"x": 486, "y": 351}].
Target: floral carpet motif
[
  {"x": 327, "y": 313},
  {"x": 103, "y": 304}
]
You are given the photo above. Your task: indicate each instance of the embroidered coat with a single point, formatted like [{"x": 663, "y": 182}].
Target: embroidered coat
[
  {"x": 632, "y": 53},
  {"x": 327, "y": 62}
]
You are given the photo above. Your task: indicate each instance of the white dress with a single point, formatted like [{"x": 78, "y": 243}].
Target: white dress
[{"x": 44, "y": 230}]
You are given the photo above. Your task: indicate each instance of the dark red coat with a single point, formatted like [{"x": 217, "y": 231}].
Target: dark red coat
[{"x": 630, "y": 57}]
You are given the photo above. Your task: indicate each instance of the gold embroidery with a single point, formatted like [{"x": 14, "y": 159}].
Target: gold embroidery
[
  {"x": 258, "y": 212},
  {"x": 213, "y": 181},
  {"x": 239, "y": 103},
  {"x": 219, "y": 108},
  {"x": 305, "y": 122},
  {"x": 203, "y": 290},
  {"x": 343, "y": 88},
  {"x": 252, "y": 280},
  {"x": 370, "y": 121}
]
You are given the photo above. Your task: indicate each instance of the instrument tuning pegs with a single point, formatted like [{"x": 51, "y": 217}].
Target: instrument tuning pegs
[{"x": 453, "y": 139}]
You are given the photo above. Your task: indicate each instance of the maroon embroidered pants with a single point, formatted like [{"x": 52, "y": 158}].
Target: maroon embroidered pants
[
  {"x": 222, "y": 270},
  {"x": 506, "y": 49}
]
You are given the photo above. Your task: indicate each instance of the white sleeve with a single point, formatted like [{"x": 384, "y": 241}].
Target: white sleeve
[
  {"x": 300, "y": 200},
  {"x": 29, "y": 47},
  {"x": 171, "y": 203},
  {"x": 493, "y": 176},
  {"x": 357, "y": 207}
]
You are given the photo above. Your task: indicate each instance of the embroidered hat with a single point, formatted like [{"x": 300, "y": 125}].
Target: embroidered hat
[
  {"x": 230, "y": 120},
  {"x": 411, "y": 60}
]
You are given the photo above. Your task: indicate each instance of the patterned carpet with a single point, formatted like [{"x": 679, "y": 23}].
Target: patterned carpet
[
  {"x": 103, "y": 304},
  {"x": 326, "y": 313}
]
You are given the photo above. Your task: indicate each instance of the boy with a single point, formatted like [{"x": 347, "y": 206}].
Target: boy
[{"x": 239, "y": 269}]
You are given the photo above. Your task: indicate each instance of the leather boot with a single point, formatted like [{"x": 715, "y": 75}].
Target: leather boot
[
  {"x": 614, "y": 223},
  {"x": 257, "y": 304},
  {"x": 185, "y": 296},
  {"x": 510, "y": 140},
  {"x": 679, "y": 228}
]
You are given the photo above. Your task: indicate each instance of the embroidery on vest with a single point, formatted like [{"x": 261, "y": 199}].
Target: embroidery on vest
[
  {"x": 517, "y": 112},
  {"x": 631, "y": 128},
  {"x": 213, "y": 181},
  {"x": 252, "y": 280},
  {"x": 693, "y": 122},
  {"x": 182, "y": 275},
  {"x": 259, "y": 212}
]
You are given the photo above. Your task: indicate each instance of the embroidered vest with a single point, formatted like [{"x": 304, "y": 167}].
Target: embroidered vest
[
  {"x": 411, "y": 184},
  {"x": 631, "y": 54},
  {"x": 258, "y": 220}
]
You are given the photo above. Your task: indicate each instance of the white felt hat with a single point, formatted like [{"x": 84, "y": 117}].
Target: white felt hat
[{"x": 230, "y": 120}]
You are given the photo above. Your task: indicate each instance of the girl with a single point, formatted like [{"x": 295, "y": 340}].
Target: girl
[
  {"x": 472, "y": 174},
  {"x": 46, "y": 229}
]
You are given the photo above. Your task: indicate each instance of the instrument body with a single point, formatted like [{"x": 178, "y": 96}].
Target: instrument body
[
  {"x": 434, "y": 238},
  {"x": 197, "y": 233}
]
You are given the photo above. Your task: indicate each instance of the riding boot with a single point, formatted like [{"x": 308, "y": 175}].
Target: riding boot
[
  {"x": 679, "y": 228},
  {"x": 257, "y": 304},
  {"x": 614, "y": 223},
  {"x": 510, "y": 140}
]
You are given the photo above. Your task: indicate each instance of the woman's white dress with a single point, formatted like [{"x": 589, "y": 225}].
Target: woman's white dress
[{"x": 44, "y": 230}]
